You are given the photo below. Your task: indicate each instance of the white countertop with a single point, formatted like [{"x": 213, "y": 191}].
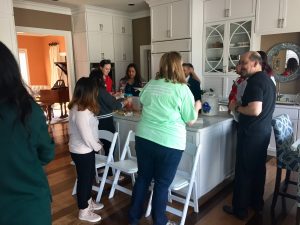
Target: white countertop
[
  {"x": 287, "y": 106},
  {"x": 202, "y": 123}
]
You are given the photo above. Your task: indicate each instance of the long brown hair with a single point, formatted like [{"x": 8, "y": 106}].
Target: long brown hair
[
  {"x": 85, "y": 95},
  {"x": 170, "y": 68}
]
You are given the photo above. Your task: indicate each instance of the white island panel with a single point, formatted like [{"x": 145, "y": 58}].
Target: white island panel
[{"x": 217, "y": 136}]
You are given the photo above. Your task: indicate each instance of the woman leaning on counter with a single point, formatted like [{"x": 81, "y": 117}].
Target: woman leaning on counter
[
  {"x": 168, "y": 105},
  {"x": 108, "y": 104}
]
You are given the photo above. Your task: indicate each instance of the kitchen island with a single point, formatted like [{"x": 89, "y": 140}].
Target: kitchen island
[{"x": 217, "y": 136}]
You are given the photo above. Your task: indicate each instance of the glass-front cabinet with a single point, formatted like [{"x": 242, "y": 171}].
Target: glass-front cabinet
[
  {"x": 225, "y": 42},
  {"x": 214, "y": 59}
]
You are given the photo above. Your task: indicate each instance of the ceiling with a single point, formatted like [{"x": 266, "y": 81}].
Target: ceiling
[{"x": 121, "y": 5}]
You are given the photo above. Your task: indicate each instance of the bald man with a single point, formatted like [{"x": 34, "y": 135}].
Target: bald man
[{"x": 254, "y": 131}]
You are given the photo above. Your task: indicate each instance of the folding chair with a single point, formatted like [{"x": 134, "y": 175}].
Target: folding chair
[
  {"x": 101, "y": 160},
  {"x": 184, "y": 180},
  {"x": 126, "y": 165}
]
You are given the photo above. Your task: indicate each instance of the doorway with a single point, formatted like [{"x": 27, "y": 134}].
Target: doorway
[
  {"x": 145, "y": 62},
  {"x": 67, "y": 53}
]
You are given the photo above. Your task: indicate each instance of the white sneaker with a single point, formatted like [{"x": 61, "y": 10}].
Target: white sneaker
[
  {"x": 95, "y": 206},
  {"x": 171, "y": 223},
  {"x": 88, "y": 215}
]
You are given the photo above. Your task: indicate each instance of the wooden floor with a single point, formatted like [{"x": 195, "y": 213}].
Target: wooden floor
[{"x": 61, "y": 175}]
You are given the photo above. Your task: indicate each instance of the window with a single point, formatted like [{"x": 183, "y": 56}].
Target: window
[{"x": 24, "y": 65}]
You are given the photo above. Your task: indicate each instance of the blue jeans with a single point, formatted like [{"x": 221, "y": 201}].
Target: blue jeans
[{"x": 158, "y": 163}]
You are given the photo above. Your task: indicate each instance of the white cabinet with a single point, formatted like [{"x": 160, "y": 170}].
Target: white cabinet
[
  {"x": 160, "y": 22},
  {"x": 122, "y": 25},
  {"x": 294, "y": 115},
  {"x": 155, "y": 59},
  {"x": 180, "y": 26},
  {"x": 99, "y": 22},
  {"x": 171, "y": 21},
  {"x": 172, "y": 29},
  {"x": 93, "y": 39},
  {"x": 224, "y": 43},
  {"x": 277, "y": 16},
  {"x": 100, "y": 46},
  {"x": 123, "y": 47},
  {"x": 217, "y": 10},
  {"x": 100, "y": 35}
]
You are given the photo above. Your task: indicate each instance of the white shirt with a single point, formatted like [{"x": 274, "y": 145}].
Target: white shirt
[{"x": 83, "y": 131}]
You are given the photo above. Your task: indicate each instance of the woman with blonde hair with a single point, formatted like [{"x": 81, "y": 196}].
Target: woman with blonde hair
[
  {"x": 168, "y": 105},
  {"x": 84, "y": 142}
]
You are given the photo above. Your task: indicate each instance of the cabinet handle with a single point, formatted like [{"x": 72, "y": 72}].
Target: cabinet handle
[
  {"x": 280, "y": 23},
  {"x": 123, "y": 29},
  {"x": 227, "y": 12},
  {"x": 101, "y": 27},
  {"x": 102, "y": 55}
]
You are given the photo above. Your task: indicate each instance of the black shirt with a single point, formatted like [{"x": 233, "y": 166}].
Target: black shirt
[
  {"x": 259, "y": 88},
  {"x": 107, "y": 102},
  {"x": 130, "y": 89},
  {"x": 194, "y": 86}
]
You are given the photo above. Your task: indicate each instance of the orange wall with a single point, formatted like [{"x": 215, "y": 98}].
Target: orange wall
[
  {"x": 35, "y": 54},
  {"x": 38, "y": 56}
]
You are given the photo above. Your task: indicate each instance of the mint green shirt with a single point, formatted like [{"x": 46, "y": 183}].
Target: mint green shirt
[{"x": 167, "y": 107}]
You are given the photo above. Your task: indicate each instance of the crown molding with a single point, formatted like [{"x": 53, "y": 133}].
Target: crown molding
[
  {"x": 111, "y": 12},
  {"x": 140, "y": 14},
  {"x": 101, "y": 10},
  {"x": 41, "y": 7}
]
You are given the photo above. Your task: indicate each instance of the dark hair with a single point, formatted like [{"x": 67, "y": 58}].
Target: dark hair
[
  {"x": 170, "y": 68},
  {"x": 190, "y": 65},
  {"x": 292, "y": 64},
  {"x": 265, "y": 66},
  {"x": 104, "y": 62},
  {"x": 137, "y": 78},
  {"x": 85, "y": 95},
  {"x": 97, "y": 77},
  {"x": 12, "y": 89}
]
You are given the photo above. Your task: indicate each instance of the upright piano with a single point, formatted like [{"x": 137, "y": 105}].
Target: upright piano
[{"x": 49, "y": 97}]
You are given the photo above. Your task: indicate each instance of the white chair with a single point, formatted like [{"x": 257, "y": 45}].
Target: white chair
[
  {"x": 127, "y": 164},
  {"x": 101, "y": 160},
  {"x": 184, "y": 180}
]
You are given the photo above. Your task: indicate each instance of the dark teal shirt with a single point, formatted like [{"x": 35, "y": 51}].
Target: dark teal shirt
[{"x": 24, "y": 190}]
